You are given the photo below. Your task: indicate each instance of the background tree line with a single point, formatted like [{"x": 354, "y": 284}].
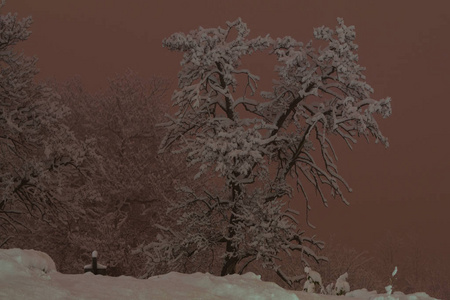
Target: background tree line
[{"x": 79, "y": 171}]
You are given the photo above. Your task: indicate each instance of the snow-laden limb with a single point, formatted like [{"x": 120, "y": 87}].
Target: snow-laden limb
[{"x": 255, "y": 143}]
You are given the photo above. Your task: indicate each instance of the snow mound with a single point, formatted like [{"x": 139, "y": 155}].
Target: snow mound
[
  {"x": 366, "y": 295},
  {"x": 20, "y": 261},
  {"x": 29, "y": 274},
  {"x": 247, "y": 286}
]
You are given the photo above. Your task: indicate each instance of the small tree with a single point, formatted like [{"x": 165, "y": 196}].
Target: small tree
[
  {"x": 43, "y": 167},
  {"x": 253, "y": 145}
]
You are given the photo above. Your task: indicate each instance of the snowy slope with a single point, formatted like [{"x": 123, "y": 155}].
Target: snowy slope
[{"x": 29, "y": 274}]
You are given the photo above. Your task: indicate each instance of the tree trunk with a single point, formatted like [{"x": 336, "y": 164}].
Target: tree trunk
[
  {"x": 230, "y": 266},
  {"x": 230, "y": 263}
]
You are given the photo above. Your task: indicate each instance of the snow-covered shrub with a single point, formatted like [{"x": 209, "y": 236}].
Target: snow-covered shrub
[
  {"x": 342, "y": 286},
  {"x": 313, "y": 282},
  {"x": 361, "y": 268},
  {"x": 390, "y": 287}
]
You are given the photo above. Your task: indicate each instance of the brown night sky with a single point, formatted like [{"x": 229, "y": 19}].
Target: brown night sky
[{"x": 403, "y": 44}]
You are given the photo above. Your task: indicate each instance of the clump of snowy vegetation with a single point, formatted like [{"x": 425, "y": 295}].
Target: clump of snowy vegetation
[
  {"x": 342, "y": 286},
  {"x": 313, "y": 281},
  {"x": 390, "y": 287},
  {"x": 313, "y": 284}
]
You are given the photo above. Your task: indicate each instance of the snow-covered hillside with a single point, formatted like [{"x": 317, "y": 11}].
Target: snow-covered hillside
[{"x": 29, "y": 274}]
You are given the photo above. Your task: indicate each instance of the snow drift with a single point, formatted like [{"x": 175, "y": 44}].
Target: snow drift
[{"x": 29, "y": 274}]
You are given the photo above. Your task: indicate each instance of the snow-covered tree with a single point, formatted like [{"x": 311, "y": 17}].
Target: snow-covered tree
[
  {"x": 260, "y": 147},
  {"x": 43, "y": 167}
]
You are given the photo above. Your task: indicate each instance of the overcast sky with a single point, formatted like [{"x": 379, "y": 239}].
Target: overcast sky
[{"x": 404, "y": 45}]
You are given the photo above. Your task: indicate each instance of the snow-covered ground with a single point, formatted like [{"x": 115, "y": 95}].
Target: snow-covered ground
[{"x": 29, "y": 274}]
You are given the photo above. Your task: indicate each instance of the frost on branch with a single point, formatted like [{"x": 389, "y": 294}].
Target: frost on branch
[{"x": 255, "y": 143}]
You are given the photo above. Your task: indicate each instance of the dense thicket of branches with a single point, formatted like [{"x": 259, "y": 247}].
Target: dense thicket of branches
[
  {"x": 86, "y": 163},
  {"x": 255, "y": 143},
  {"x": 44, "y": 168},
  {"x": 134, "y": 180},
  {"x": 131, "y": 178}
]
